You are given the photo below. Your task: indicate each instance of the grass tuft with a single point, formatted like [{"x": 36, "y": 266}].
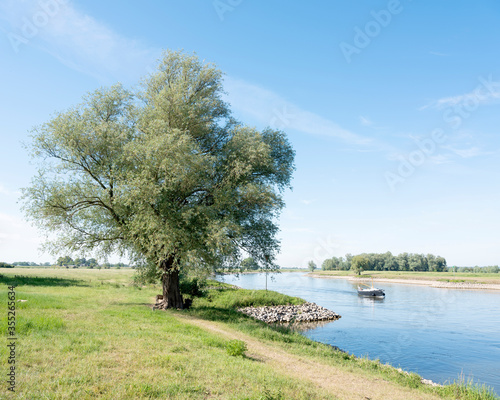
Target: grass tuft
[{"x": 236, "y": 348}]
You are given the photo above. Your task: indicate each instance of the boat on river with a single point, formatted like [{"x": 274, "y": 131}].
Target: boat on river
[{"x": 370, "y": 291}]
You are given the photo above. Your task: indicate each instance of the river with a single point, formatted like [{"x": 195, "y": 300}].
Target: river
[{"x": 441, "y": 334}]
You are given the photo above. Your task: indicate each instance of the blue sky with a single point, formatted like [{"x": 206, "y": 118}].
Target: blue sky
[{"x": 392, "y": 108}]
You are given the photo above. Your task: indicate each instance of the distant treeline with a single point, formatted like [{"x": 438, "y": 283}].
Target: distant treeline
[
  {"x": 68, "y": 262},
  {"x": 388, "y": 262},
  {"x": 30, "y": 264}
]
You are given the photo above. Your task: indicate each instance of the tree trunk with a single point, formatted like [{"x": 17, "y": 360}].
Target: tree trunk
[{"x": 172, "y": 297}]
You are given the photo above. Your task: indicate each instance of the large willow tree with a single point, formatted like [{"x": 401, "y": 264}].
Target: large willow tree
[{"x": 163, "y": 174}]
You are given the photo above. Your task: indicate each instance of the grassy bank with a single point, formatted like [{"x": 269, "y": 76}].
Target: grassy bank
[
  {"x": 430, "y": 276},
  {"x": 90, "y": 334}
]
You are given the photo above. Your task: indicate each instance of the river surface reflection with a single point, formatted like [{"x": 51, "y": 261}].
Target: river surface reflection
[{"x": 438, "y": 333}]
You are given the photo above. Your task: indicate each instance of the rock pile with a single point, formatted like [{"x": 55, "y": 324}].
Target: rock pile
[{"x": 307, "y": 312}]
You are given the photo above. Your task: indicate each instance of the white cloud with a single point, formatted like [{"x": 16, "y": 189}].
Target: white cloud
[
  {"x": 365, "y": 121},
  {"x": 274, "y": 111},
  {"x": 85, "y": 44},
  {"x": 486, "y": 92},
  {"x": 439, "y": 159},
  {"x": 307, "y": 202},
  {"x": 74, "y": 38},
  {"x": 468, "y": 152}
]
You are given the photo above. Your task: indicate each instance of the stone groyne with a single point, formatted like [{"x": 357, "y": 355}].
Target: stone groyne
[{"x": 307, "y": 312}]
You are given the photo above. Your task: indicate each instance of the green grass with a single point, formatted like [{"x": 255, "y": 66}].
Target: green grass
[
  {"x": 99, "y": 338},
  {"x": 86, "y": 334}
]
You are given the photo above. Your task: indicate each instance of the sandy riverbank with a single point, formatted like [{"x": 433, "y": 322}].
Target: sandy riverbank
[{"x": 423, "y": 282}]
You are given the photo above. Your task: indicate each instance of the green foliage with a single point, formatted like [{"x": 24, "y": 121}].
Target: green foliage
[
  {"x": 359, "y": 264},
  {"x": 249, "y": 264},
  {"x": 192, "y": 287},
  {"x": 26, "y": 264},
  {"x": 388, "y": 262},
  {"x": 164, "y": 174},
  {"x": 311, "y": 265},
  {"x": 145, "y": 274},
  {"x": 336, "y": 263},
  {"x": 66, "y": 260},
  {"x": 5, "y": 265},
  {"x": 236, "y": 348}
]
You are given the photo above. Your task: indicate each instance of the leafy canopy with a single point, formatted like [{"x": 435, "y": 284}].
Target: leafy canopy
[{"x": 164, "y": 172}]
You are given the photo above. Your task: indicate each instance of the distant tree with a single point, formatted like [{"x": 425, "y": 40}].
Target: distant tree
[
  {"x": 327, "y": 265},
  {"x": 311, "y": 265},
  {"x": 359, "y": 264},
  {"x": 21, "y": 264},
  {"x": 80, "y": 262},
  {"x": 391, "y": 262},
  {"x": 439, "y": 264},
  {"x": 347, "y": 262},
  {"x": 249, "y": 264},
  {"x": 5, "y": 265},
  {"x": 402, "y": 260},
  {"x": 415, "y": 262},
  {"x": 66, "y": 260},
  {"x": 92, "y": 262}
]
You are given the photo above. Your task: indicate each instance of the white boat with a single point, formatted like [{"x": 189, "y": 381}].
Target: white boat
[{"x": 370, "y": 291}]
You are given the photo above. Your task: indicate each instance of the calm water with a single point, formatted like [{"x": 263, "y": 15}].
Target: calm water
[{"x": 438, "y": 333}]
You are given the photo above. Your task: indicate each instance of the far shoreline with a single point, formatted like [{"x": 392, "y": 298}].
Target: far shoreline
[{"x": 440, "y": 283}]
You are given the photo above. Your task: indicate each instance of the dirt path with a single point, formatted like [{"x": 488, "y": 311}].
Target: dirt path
[{"x": 342, "y": 384}]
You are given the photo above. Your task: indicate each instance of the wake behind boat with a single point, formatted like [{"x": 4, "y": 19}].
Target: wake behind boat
[{"x": 370, "y": 291}]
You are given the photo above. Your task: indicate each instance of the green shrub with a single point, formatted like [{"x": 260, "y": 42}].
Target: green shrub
[
  {"x": 192, "y": 286},
  {"x": 236, "y": 348}
]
